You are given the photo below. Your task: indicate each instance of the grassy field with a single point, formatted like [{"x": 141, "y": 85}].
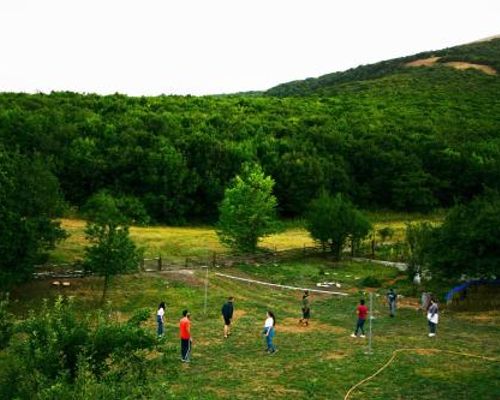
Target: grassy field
[
  {"x": 320, "y": 361},
  {"x": 177, "y": 243}
]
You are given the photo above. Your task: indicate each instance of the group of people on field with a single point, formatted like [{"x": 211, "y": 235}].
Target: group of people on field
[
  {"x": 428, "y": 303},
  {"x": 227, "y": 315}
]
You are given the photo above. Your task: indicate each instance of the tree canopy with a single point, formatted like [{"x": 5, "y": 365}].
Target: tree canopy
[
  {"x": 248, "y": 211},
  {"x": 386, "y": 135},
  {"x": 334, "y": 220},
  {"x": 29, "y": 200},
  {"x": 110, "y": 250},
  {"x": 468, "y": 242}
]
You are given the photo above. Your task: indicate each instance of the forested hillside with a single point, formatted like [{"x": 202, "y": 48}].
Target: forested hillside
[
  {"x": 414, "y": 139},
  {"x": 485, "y": 53}
]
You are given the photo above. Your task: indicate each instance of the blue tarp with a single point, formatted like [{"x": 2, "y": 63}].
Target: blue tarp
[{"x": 466, "y": 285}]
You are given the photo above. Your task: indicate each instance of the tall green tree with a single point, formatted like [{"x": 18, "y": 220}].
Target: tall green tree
[
  {"x": 248, "y": 210},
  {"x": 418, "y": 236},
  {"x": 111, "y": 251},
  {"x": 334, "y": 220},
  {"x": 29, "y": 200},
  {"x": 468, "y": 241}
]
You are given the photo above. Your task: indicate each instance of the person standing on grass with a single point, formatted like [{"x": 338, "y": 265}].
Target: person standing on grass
[
  {"x": 227, "y": 314},
  {"x": 306, "y": 309},
  {"x": 362, "y": 312},
  {"x": 391, "y": 300},
  {"x": 185, "y": 334},
  {"x": 159, "y": 319},
  {"x": 269, "y": 331},
  {"x": 433, "y": 317}
]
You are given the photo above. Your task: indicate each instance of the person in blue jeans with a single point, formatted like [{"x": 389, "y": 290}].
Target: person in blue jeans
[
  {"x": 159, "y": 319},
  {"x": 269, "y": 331}
]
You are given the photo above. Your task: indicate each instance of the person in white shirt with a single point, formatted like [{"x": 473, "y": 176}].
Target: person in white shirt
[
  {"x": 159, "y": 319},
  {"x": 433, "y": 317},
  {"x": 269, "y": 331}
]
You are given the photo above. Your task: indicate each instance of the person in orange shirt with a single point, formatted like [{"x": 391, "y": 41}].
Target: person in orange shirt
[{"x": 185, "y": 334}]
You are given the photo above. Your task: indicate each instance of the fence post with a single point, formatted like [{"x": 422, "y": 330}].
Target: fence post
[
  {"x": 206, "y": 292},
  {"x": 370, "y": 317},
  {"x": 141, "y": 266},
  {"x": 214, "y": 259},
  {"x": 160, "y": 263},
  {"x": 186, "y": 262}
]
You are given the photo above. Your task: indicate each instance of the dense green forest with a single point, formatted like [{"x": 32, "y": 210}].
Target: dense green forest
[{"x": 386, "y": 136}]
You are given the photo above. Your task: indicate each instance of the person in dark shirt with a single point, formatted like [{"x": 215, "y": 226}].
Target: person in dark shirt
[
  {"x": 227, "y": 314},
  {"x": 362, "y": 312},
  {"x": 391, "y": 300},
  {"x": 306, "y": 309}
]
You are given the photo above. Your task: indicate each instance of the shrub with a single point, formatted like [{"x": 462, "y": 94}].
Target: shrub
[
  {"x": 61, "y": 354},
  {"x": 6, "y": 323},
  {"x": 371, "y": 281},
  {"x": 385, "y": 233}
]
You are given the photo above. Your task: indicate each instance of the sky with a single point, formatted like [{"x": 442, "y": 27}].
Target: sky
[{"x": 198, "y": 47}]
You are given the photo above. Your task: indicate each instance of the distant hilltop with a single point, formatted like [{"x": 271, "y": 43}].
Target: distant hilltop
[{"x": 482, "y": 56}]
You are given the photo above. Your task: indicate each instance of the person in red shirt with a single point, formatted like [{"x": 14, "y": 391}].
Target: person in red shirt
[
  {"x": 362, "y": 312},
  {"x": 185, "y": 334}
]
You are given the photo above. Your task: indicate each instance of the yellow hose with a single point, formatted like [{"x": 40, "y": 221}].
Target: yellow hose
[{"x": 396, "y": 352}]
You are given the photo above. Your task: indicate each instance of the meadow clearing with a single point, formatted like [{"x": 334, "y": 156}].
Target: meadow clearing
[
  {"x": 176, "y": 243},
  {"x": 320, "y": 361}
]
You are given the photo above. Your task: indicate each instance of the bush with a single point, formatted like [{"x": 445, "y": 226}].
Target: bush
[
  {"x": 125, "y": 209},
  {"x": 61, "y": 354},
  {"x": 371, "y": 281},
  {"x": 6, "y": 323},
  {"x": 385, "y": 233},
  {"x": 468, "y": 242}
]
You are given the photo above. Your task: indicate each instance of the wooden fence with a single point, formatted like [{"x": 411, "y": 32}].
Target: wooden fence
[
  {"x": 168, "y": 263},
  {"x": 165, "y": 263}
]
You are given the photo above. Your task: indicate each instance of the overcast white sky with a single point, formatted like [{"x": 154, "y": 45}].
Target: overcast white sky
[{"x": 151, "y": 47}]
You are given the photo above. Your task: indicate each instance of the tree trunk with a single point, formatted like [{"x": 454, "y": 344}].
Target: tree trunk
[
  {"x": 336, "y": 250},
  {"x": 105, "y": 288}
]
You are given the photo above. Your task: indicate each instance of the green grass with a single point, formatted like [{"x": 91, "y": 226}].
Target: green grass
[
  {"x": 315, "y": 270},
  {"x": 398, "y": 222},
  {"x": 174, "y": 243},
  {"x": 321, "y": 361},
  {"x": 178, "y": 243}
]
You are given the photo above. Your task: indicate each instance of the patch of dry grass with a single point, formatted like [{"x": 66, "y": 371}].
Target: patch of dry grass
[
  {"x": 462, "y": 65},
  {"x": 423, "y": 62},
  {"x": 465, "y": 65}
]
